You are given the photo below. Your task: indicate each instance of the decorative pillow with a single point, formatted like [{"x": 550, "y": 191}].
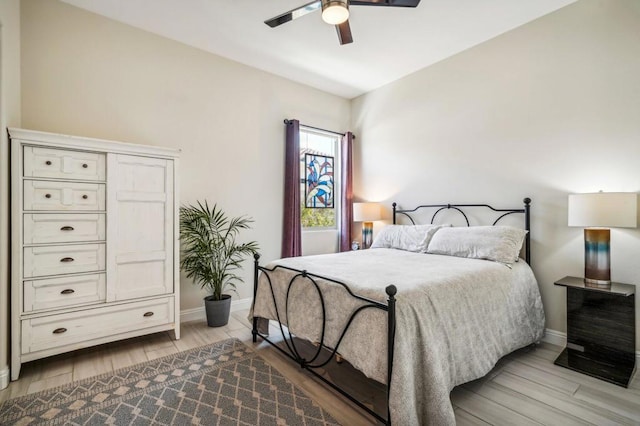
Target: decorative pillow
[
  {"x": 497, "y": 243},
  {"x": 405, "y": 237}
]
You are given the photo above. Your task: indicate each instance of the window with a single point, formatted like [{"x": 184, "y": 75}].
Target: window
[{"x": 319, "y": 180}]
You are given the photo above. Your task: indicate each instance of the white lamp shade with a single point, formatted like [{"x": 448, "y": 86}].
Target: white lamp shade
[
  {"x": 366, "y": 212},
  {"x": 604, "y": 209},
  {"x": 335, "y": 12}
]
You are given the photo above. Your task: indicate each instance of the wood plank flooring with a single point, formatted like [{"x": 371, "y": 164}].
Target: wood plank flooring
[{"x": 525, "y": 388}]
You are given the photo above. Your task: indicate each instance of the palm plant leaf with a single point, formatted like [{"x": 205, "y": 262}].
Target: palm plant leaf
[{"x": 210, "y": 252}]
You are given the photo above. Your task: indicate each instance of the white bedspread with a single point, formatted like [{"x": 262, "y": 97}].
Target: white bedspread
[{"x": 455, "y": 318}]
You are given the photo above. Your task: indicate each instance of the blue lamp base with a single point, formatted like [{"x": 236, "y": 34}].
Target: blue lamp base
[
  {"x": 367, "y": 234},
  {"x": 597, "y": 257}
]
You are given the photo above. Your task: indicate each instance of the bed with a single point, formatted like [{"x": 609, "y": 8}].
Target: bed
[{"x": 421, "y": 323}]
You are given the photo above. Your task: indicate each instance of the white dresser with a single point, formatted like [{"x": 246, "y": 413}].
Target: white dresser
[{"x": 94, "y": 243}]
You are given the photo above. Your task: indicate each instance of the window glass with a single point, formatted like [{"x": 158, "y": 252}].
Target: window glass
[{"x": 319, "y": 196}]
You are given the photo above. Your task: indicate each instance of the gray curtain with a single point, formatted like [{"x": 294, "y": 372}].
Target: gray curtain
[
  {"x": 291, "y": 229},
  {"x": 346, "y": 192}
]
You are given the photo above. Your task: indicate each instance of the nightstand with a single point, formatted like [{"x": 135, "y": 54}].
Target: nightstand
[{"x": 601, "y": 330}]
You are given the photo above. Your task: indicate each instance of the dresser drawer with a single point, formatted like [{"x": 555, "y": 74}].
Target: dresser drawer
[
  {"x": 47, "y": 228},
  {"x": 82, "y": 326},
  {"x": 63, "y": 164},
  {"x": 63, "y": 292},
  {"x": 65, "y": 196},
  {"x": 56, "y": 260}
]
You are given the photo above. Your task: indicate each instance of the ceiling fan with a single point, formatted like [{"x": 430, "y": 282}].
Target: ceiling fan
[{"x": 336, "y": 12}]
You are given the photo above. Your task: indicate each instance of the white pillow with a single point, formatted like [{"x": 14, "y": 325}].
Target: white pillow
[
  {"x": 405, "y": 237},
  {"x": 497, "y": 243}
]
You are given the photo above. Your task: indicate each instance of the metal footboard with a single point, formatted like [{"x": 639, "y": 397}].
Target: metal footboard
[{"x": 290, "y": 350}]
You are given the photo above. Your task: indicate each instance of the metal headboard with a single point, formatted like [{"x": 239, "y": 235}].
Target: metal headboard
[{"x": 459, "y": 207}]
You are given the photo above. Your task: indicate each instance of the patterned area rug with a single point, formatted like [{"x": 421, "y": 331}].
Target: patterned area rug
[{"x": 225, "y": 383}]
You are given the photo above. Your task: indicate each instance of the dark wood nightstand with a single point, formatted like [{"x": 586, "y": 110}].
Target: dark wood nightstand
[{"x": 601, "y": 330}]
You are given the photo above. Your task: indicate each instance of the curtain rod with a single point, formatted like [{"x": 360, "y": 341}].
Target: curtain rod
[{"x": 287, "y": 121}]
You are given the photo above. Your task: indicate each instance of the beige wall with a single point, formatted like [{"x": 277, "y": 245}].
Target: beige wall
[
  {"x": 9, "y": 116},
  {"x": 87, "y": 75},
  {"x": 548, "y": 109},
  {"x": 320, "y": 242}
]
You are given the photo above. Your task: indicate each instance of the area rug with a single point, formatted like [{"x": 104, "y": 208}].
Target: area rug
[{"x": 226, "y": 383}]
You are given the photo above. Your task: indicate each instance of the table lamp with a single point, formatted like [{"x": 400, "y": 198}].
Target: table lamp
[
  {"x": 366, "y": 213},
  {"x": 597, "y": 212}
]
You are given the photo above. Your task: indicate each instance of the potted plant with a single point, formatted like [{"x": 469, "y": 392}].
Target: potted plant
[{"x": 211, "y": 256}]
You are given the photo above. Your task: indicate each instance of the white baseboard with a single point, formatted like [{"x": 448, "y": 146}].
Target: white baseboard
[
  {"x": 4, "y": 377},
  {"x": 241, "y": 304},
  {"x": 559, "y": 338},
  {"x": 554, "y": 337},
  {"x": 198, "y": 314}
]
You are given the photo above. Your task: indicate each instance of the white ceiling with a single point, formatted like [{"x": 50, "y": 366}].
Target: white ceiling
[{"x": 389, "y": 43}]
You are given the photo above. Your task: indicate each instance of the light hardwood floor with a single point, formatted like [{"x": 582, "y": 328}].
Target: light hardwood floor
[{"x": 525, "y": 388}]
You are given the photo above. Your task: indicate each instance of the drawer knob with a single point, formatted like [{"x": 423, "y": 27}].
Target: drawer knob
[
  {"x": 67, "y": 228},
  {"x": 59, "y": 330},
  {"x": 67, "y": 291},
  {"x": 47, "y": 195},
  {"x": 48, "y": 163},
  {"x": 85, "y": 165},
  {"x": 66, "y": 259},
  {"x": 148, "y": 314},
  {"x": 85, "y": 196}
]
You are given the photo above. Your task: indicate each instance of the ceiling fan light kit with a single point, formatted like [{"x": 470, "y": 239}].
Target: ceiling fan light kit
[{"x": 335, "y": 12}]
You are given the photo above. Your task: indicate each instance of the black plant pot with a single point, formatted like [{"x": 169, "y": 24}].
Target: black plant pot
[{"x": 217, "y": 310}]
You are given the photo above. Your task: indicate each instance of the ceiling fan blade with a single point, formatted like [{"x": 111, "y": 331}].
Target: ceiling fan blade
[
  {"x": 392, "y": 3},
  {"x": 344, "y": 33},
  {"x": 294, "y": 14}
]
